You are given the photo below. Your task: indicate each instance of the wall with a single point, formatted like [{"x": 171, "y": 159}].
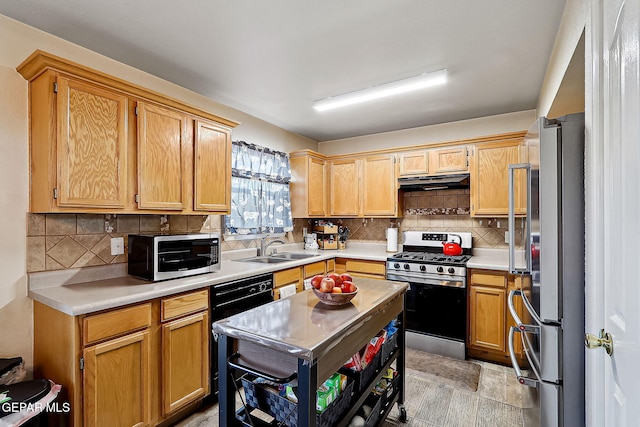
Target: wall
[
  {"x": 465, "y": 129},
  {"x": 15, "y": 306},
  {"x": 570, "y": 30},
  {"x": 19, "y": 41}
]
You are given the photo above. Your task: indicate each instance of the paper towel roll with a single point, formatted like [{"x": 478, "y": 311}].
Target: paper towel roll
[{"x": 392, "y": 240}]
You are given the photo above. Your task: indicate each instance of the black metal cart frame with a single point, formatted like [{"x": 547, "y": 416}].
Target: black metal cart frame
[{"x": 307, "y": 375}]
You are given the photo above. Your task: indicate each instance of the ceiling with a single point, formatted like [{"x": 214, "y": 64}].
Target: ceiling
[{"x": 272, "y": 59}]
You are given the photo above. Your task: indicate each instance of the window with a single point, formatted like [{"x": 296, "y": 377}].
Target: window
[{"x": 260, "y": 199}]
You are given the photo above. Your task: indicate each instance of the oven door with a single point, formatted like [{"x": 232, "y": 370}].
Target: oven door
[{"x": 436, "y": 306}]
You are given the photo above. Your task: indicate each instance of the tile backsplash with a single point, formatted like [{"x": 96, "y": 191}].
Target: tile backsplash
[
  {"x": 62, "y": 241},
  {"x": 437, "y": 211}
]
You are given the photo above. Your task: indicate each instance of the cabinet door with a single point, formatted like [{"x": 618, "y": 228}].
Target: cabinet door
[
  {"x": 308, "y": 186},
  {"x": 291, "y": 276},
  {"x": 344, "y": 188},
  {"x": 316, "y": 187},
  {"x": 116, "y": 382},
  {"x": 212, "y": 167},
  {"x": 185, "y": 361},
  {"x": 360, "y": 268},
  {"x": 490, "y": 179},
  {"x": 91, "y": 145},
  {"x": 379, "y": 186},
  {"x": 448, "y": 160},
  {"x": 161, "y": 147},
  {"x": 487, "y": 318},
  {"x": 414, "y": 163}
]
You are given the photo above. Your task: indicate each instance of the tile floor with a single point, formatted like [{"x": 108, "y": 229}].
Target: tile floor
[{"x": 498, "y": 402}]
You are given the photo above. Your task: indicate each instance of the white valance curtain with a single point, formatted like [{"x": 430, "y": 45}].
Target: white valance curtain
[{"x": 260, "y": 199}]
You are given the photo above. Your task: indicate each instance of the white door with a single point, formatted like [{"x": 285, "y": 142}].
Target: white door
[{"x": 613, "y": 291}]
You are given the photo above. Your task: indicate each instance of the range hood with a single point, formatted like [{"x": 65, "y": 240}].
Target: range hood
[{"x": 439, "y": 182}]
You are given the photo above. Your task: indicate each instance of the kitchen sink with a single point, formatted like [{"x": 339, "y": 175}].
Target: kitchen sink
[
  {"x": 276, "y": 258},
  {"x": 292, "y": 255},
  {"x": 263, "y": 259}
]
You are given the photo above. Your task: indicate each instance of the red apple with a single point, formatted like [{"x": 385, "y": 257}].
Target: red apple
[
  {"x": 348, "y": 287},
  {"x": 327, "y": 284},
  {"x": 345, "y": 276},
  {"x": 315, "y": 281},
  {"x": 336, "y": 278}
]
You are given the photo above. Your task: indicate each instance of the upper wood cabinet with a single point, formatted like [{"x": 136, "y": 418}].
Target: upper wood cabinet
[
  {"x": 448, "y": 160},
  {"x": 434, "y": 161},
  {"x": 308, "y": 185},
  {"x": 379, "y": 186},
  {"x": 212, "y": 167},
  {"x": 91, "y": 145},
  {"x": 344, "y": 187},
  {"x": 490, "y": 178},
  {"x": 91, "y": 152},
  {"x": 413, "y": 163},
  {"x": 162, "y": 136}
]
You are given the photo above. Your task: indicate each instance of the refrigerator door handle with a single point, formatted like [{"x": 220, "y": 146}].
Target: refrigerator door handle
[
  {"x": 522, "y": 379},
  {"x": 512, "y": 220},
  {"x": 514, "y": 314}
]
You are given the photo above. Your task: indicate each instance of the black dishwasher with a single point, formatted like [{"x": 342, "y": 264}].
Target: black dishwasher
[{"x": 234, "y": 297}]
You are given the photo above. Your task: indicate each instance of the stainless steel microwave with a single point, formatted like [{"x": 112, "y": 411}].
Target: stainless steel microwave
[{"x": 162, "y": 257}]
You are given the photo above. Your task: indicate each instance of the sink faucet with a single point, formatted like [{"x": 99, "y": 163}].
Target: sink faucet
[{"x": 264, "y": 245}]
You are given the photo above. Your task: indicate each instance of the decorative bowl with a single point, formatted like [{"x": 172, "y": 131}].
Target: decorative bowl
[{"x": 334, "y": 299}]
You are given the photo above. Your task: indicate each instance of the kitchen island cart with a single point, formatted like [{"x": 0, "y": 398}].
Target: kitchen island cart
[{"x": 300, "y": 337}]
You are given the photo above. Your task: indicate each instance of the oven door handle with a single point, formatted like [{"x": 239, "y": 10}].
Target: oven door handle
[
  {"x": 427, "y": 281},
  {"x": 522, "y": 379}
]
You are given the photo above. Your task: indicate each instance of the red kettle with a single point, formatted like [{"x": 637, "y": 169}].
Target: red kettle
[{"x": 452, "y": 248}]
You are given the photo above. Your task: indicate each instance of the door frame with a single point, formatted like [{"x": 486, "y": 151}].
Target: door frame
[{"x": 594, "y": 212}]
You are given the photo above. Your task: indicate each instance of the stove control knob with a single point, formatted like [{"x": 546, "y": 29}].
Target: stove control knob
[
  {"x": 396, "y": 265},
  {"x": 423, "y": 268},
  {"x": 406, "y": 266},
  {"x": 439, "y": 269},
  {"x": 451, "y": 270}
]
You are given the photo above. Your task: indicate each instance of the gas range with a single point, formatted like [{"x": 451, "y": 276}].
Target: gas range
[
  {"x": 423, "y": 255},
  {"x": 436, "y": 302}
]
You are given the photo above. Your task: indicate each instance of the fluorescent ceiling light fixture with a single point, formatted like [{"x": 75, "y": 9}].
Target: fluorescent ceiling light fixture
[{"x": 381, "y": 91}]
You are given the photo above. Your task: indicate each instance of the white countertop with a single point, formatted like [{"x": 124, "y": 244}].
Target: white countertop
[
  {"x": 91, "y": 289},
  {"x": 491, "y": 259}
]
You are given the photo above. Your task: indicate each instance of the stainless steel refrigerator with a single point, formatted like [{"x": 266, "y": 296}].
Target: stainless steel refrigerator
[{"x": 552, "y": 327}]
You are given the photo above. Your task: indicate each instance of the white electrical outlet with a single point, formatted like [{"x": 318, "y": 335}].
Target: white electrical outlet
[
  {"x": 506, "y": 236},
  {"x": 117, "y": 245}
]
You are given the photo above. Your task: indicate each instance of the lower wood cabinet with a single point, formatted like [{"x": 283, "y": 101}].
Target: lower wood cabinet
[
  {"x": 291, "y": 276},
  {"x": 116, "y": 384},
  {"x": 489, "y": 317},
  {"x": 133, "y": 366},
  {"x": 185, "y": 367},
  {"x": 361, "y": 267}
]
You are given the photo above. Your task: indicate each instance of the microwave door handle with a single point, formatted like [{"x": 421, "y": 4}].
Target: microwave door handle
[
  {"x": 512, "y": 220},
  {"x": 522, "y": 379}
]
